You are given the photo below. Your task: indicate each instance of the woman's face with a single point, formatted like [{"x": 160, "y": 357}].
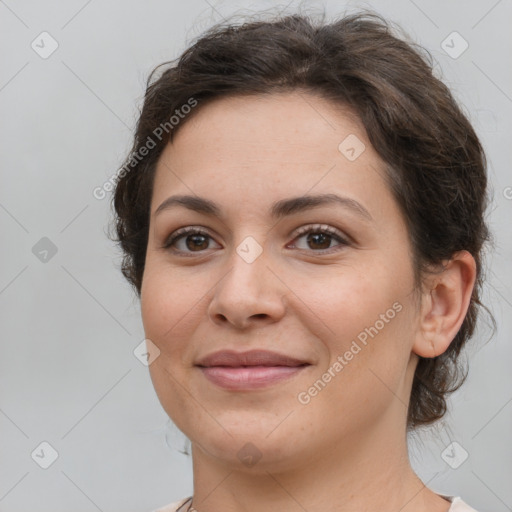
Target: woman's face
[{"x": 337, "y": 295}]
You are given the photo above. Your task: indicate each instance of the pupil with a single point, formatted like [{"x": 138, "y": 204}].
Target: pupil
[
  {"x": 320, "y": 238},
  {"x": 199, "y": 240}
]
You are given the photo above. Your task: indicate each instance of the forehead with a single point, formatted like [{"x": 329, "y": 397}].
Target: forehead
[
  {"x": 268, "y": 147},
  {"x": 281, "y": 122}
]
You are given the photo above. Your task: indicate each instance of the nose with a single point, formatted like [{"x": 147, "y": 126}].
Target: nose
[{"x": 249, "y": 294}]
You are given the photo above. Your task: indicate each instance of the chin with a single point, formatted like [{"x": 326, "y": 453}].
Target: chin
[{"x": 253, "y": 450}]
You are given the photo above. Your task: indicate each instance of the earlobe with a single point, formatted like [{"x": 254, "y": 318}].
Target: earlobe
[{"x": 445, "y": 302}]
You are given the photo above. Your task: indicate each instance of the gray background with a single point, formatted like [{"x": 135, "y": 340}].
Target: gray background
[{"x": 69, "y": 325}]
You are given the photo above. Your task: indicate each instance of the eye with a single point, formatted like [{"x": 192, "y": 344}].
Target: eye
[
  {"x": 189, "y": 239},
  {"x": 319, "y": 237}
]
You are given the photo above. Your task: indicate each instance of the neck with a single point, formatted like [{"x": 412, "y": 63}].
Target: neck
[{"x": 369, "y": 471}]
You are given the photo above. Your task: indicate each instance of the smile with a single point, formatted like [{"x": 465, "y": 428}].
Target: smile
[{"x": 249, "y": 377}]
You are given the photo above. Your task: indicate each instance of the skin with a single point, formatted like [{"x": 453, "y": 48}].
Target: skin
[{"x": 346, "y": 449}]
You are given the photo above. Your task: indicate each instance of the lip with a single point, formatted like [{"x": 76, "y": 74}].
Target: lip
[
  {"x": 249, "y": 370},
  {"x": 250, "y": 358}
]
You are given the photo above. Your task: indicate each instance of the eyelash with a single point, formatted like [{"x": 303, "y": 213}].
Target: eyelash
[{"x": 316, "y": 229}]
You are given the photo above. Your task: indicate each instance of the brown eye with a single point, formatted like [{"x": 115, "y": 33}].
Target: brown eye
[
  {"x": 196, "y": 242},
  {"x": 188, "y": 240},
  {"x": 319, "y": 238}
]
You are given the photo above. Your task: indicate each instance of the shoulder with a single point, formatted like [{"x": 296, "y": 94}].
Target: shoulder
[
  {"x": 172, "y": 507},
  {"x": 460, "y": 506}
]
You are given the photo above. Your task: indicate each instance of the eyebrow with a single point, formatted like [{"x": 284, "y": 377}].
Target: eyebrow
[{"x": 280, "y": 209}]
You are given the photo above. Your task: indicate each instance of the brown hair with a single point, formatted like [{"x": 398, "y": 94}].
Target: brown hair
[{"x": 435, "y": 163}]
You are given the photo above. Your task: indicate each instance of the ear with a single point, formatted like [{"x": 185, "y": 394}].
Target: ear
[{"x": 445, "y": 301}]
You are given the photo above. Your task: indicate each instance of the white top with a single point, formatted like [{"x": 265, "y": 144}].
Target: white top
[{"x": 457, "y": 505}]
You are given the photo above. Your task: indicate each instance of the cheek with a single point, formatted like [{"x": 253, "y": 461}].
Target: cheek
[
  {"x": 366, "y": 329},
  {"x": 365, "y": 373},
  {"x": 350, "y": 300},
  {"x": 169, "y": 304}
]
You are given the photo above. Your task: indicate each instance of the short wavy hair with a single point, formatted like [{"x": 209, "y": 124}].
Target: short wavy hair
[{"x": 434, "y": 161}]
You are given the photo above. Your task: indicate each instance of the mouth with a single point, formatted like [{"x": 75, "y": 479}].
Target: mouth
[{"x": 249, "y": 370}]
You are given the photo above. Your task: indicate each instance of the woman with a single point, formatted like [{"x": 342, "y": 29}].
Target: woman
[{"x": 302, "y": 217}]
